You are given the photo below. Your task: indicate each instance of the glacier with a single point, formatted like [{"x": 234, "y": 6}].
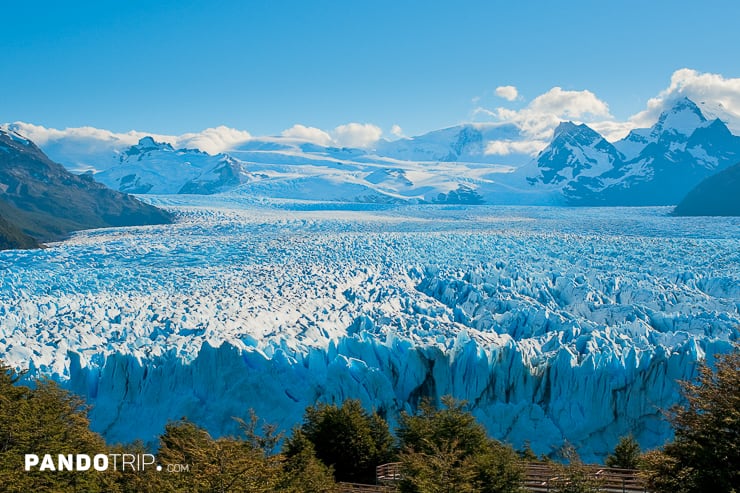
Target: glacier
[{"x": 555, "y": 324}]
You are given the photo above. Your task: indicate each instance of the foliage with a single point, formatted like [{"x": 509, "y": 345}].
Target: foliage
[
  {"x": 498, "y": 469},
  {"x": 527, "y": 454},
  {"x": 348, "y": 439},
  {"x": 573, "y": 476},
  {"x": 45, "y": 420},
  {"x": 447, "y": 450},
  {"x": 215, "y": 465},
  {"x": 439, "y": 468},
  {"x": 664, "y": 474},
  {"x": 431, "y": 428},
  {"x": 302, "y": 471},
  {"x": 706, "y": 450},
  {"x": 626, "y": 454}
]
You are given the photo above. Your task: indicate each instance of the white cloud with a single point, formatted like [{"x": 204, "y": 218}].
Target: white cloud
[
  {"x": 509, "y": 93},
  {"x": 612, "y": 130},
  {"x": 42, "y": 135},
  {"x": 90, "y": 139},
  {"x": 310, "y": 134},
  {"x": 397, "y": 131},
  {"x": 357, "y": 134},
  {"x": 569, "y": 104},
  {"x": 211, "y": 140},
  {"x": 540, "y": 117},
  {"x": 717, "y": 96},
  {"x": 506, "y": 147}
]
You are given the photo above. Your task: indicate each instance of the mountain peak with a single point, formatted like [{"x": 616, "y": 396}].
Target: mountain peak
[
  {"x": 148, "y": 142},
  {"x": 11, "y": 135},
  {"x": 580, "y": 133},
  {"x": 683, "y": 117},
  {"x": 565, "y": 127}
]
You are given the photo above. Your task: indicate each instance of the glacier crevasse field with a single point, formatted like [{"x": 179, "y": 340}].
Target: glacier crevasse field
[{"x": 553, "y": 323}]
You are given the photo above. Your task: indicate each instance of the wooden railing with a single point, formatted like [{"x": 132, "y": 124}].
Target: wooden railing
[
  {"x": 388, "y": 473},
  {"x": 365, "y": 488},
  {"x": 541, "y": 477}
]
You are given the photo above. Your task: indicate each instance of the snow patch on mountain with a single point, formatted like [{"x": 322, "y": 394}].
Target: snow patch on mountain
[{"x": 157, "y": 168}]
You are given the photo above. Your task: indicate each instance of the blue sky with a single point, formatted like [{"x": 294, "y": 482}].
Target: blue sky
[{"x": 265, "y": 65}]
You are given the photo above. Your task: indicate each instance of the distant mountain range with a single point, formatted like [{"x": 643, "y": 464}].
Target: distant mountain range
[
  {"x": 650, "y": 166},
  {"x": 41, "y": 201}
]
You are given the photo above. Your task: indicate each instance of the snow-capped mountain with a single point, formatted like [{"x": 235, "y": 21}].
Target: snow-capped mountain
[
  {"x": 655, "y": 166},
  {"x": 155, "y": 167},
  {"x": 470, "y": 163},
  {"x": 461, "y": 143},
  {"x": 576, "y": 153}
]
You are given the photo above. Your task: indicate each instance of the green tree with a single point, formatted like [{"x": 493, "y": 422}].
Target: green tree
[
  {"x": 215, "y": 465},
  {"x": 432, "y": 428},
  {"x": 348, "y": 439},
  {"x": 527, "y": 454},
  {"x": 143, "y": 480},
  {"x": 626, "y": 454},
  {"x": 42, "y": 420},
  {"x": 302, "y": 471},
  {"x": 664, "y": 474},
  {"x": 498, "y": 469},
  {"x": 705, "y": 452},
  {"x": 448, "y": 450},
  {"x": 439, "y": 468}
]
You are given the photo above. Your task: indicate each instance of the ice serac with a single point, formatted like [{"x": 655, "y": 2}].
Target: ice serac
[{"x": 588, "y": 400}]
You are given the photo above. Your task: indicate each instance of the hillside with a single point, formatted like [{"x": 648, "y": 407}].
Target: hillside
[
  {"x": 715, "y": 196},
  {"x": 41, "y": 201}
]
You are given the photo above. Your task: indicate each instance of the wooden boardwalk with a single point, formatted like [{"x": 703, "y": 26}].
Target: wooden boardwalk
[
  {"x": 538, "y": 477},
  {"x": 365, "y": 488}
]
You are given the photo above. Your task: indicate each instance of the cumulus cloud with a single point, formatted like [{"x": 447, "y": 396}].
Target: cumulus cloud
[
  {"x": 90, "y": 139},
  {"x": 357, "y": 134},
  {"x": 569, "y": 104},
  {"x": 397, "y": 131},
  {"x": 42, "y": 135},
  {"x": 211, "y": 140},
  {"x": 717, "y": 96},
  {"x": 310, "y": 134},
  {"x": 509, "y": 93},
  {"x": 612, "y": 130},
  {"x": 540, "y": 117},
  {"x": 506, "y": 147}
]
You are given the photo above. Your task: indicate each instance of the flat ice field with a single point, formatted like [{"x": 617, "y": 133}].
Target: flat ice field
[{"x": 553, "y": 323}]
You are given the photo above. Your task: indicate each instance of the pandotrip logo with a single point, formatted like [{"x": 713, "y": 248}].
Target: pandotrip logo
[{"x": 98, "y": 462}]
